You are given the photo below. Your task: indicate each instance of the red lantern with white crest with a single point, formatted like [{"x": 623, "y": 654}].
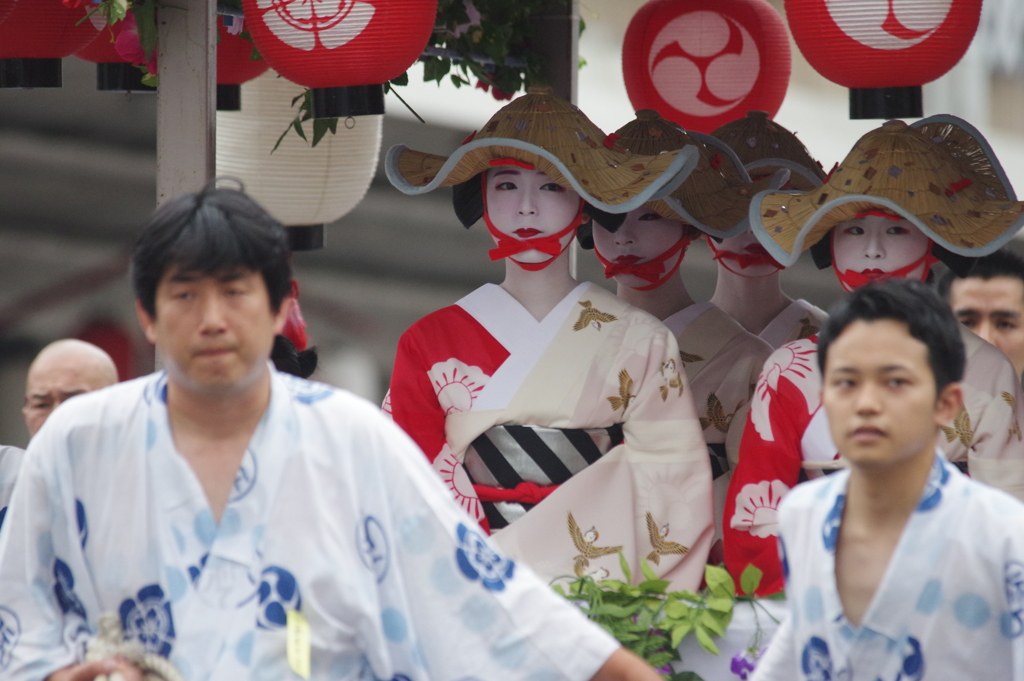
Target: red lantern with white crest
[
  {"x": 235, "y": 64},
  {"x": 343, "y": 49},
  {"x": 703, "y": 63},
  {"x": 35, "y": 36},
  {"x": 883, "y": 50},
  {"x": 5, "y": 8}
]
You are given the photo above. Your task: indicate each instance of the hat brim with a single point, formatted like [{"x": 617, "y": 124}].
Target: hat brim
[
  {"x": 627, "y": 183},
  {"x": 785, "y": 243},
  {"x": 723, "y": 214},
  {"x": 800, "y": 177},
  {"x": 992, "y": 166}
]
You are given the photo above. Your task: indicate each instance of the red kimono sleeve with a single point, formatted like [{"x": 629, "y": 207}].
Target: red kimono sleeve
[{"x": 770, "y": 461}]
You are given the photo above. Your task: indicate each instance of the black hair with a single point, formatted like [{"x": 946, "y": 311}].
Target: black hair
[
  {"x": 821, "y": 253},
  {"x": 1002, "y": 263},
  {"x": 214, "y": 231},
  {"x": 914, "y": 303},
  {"x": 468, "y": 201},
  {"x": 289, "y": 360}
]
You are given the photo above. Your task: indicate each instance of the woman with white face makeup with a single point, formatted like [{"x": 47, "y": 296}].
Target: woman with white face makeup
[
  {"x": 554, "y": 412},
  {"x": 748, "y": 285},
  {"x": 905, "y": 198},
  {"x": 644, "y": 255}
]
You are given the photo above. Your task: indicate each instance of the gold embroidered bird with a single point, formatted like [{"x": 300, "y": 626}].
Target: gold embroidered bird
[
  {"x": 662, "y": 547},
  {"x": 591, "y": 315},
  {"x": 584, "y": 543},
  {"x": 807, "y": 329},
  {"x": 672, "y": 379},
  {"x": 961, "y": 428},
  {"x": 1012, "y": 401},
  {"x": 622, "y": 400},
  {"x": 715, "y": 415},
  {"x": 688, "y": 358}
]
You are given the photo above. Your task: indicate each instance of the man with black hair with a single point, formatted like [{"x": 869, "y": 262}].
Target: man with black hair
[
  {"x": 243, "y": 523},
  {"x": 899, "y": 567},
  {"x": 989, "y": 301}
]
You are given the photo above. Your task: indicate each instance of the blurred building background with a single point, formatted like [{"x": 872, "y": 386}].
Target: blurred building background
[{"x": 78, "y": 173}]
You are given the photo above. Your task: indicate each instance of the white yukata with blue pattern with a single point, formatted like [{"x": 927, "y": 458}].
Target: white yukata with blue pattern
[
  {"x": 10, "y": 464},
  {"x": 950, "y": 605},
  {"x": 334, "y": 513}
]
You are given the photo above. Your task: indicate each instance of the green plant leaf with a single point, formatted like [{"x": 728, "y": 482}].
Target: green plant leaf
[
  {"x": 705, "y": 640},
  {"x": 679, "y": 632},
  {"x": 624, "y": 565},
  {"x": 711, "y": 623},
  {"x": 720, "y": 603},
  {"x": 780, "y": 596},
  {"x": 145, "y": 20},
  {"x": 687, "y": 596},
  {"x": 150, "y": 80},
  {"x": 321, "y": 126},
  {"x": 750, "y": 579},
  {"x": 297, "y": 124},
  {"x": 719, "y": 581},
  {"x": 649, "y": 574},
  {"x": 559, "y": 590},
  {"x": 401, "y": 80},
  {"x": 654, "y": 585},
  {"x": 677, "y": 609}
]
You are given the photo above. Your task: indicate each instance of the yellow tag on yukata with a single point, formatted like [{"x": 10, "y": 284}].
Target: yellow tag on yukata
[{"x": 298, "y": 643}]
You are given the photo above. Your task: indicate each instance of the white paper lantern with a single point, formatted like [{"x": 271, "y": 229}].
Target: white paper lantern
[{"x": 298, "y": 184}]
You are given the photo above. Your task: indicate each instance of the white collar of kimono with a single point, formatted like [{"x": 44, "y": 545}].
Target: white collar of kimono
[
  {"x": 777, "y": 332},
  {"x": 678, "y": 322},
  {"x": 519, "y": 332}
]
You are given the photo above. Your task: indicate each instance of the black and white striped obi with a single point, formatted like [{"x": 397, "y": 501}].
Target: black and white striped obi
[{"x": 513, "y": 467}]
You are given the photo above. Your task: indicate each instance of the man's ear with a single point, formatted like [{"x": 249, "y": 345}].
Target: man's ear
[
  {"x": 948, "y": 403},
  {"x": 146, "y": 322},
  {"x": 281, "y": 317}
]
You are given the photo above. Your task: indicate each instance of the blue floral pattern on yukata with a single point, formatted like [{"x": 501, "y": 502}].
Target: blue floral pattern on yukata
[
  {"x": 10, "y": 632},
  {"x": 374, "y": 548},
  {"x": 816, "y": 661},
  {"x": 83, "y": 523},
  {"x": 64, "y": 590},
  {"x": 932, "y": 495},
  {"x": 148, "y": 620},
  {"x": 913, "y": 662},
  {"x": 1012, "y": 622},
  {"x": 830, "y": 530},
  {"x": 279, "y": 593},
  {"x": 477, "y": 560},
  {"x": 3, "y": 513}
]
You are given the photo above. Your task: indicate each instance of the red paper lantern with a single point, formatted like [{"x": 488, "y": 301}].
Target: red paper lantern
[
  {"x": 334, "y": 44},
  {"x": 114, "y": 73},
  {"x": 5, "y": 8},
  {"x": 33, "y": 39},
  {"x": 117, "y": 342},
  {"x": 703, "y": 63},
  {"x": 234, "y": 66},
  {"x": 880, "y": 48}
]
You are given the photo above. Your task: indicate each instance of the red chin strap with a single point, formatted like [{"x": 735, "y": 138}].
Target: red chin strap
[
  {"x": 742, "y": 260},
  {"x": 509, "y": 246},
  {"x": 652, "y": 270},
  {"x": 853, "y": 280}
]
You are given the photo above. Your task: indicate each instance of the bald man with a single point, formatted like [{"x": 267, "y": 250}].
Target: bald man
[{"x": 63, "y": 369}]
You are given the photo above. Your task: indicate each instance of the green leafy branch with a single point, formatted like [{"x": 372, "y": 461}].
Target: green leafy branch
[
  {"x": 321, "y": 126},
  {"x": 651, "y": 622}
]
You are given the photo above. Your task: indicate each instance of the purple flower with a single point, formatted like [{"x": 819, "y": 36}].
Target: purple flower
[{"x": 743, "y": 664}]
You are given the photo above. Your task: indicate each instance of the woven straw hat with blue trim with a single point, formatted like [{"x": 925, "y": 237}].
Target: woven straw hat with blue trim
[
  {"x": 939, "y": 173},
  {"x": 557, "y": 138}
]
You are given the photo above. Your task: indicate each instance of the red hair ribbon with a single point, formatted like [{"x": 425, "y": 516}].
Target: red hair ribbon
[
  {"x": 469, "y": 137},
  {"x": 651, "y": 271},
  {"x": 829, "y": 175},
  {"x": 759, "y": 256},
  {"x": 610, "y": 140},
  {"x": 511, "y": 162},
  {"x": 878, "y": 213}
]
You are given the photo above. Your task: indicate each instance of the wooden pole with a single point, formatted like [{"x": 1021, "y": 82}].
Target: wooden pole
[
  {"x": 186, "y": 97},
  {"x": 556, "y": 34}
]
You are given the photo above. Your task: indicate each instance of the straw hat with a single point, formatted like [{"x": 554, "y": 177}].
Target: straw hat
[
  {"x": 764, "y": 147},
  {"x": 940, "y": 174},
  {"x": 715, "y": 197},
  {"x": 556, "y": 138}
]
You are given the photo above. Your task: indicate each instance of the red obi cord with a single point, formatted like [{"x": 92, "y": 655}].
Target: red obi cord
[
  {"x": 853, "y": 280},
  {"x": 652, "y": 270},
  {"x": 743, "y": 260},
  {"x": 523, "y": 493},
  {"x": 509, "y": 245}
]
